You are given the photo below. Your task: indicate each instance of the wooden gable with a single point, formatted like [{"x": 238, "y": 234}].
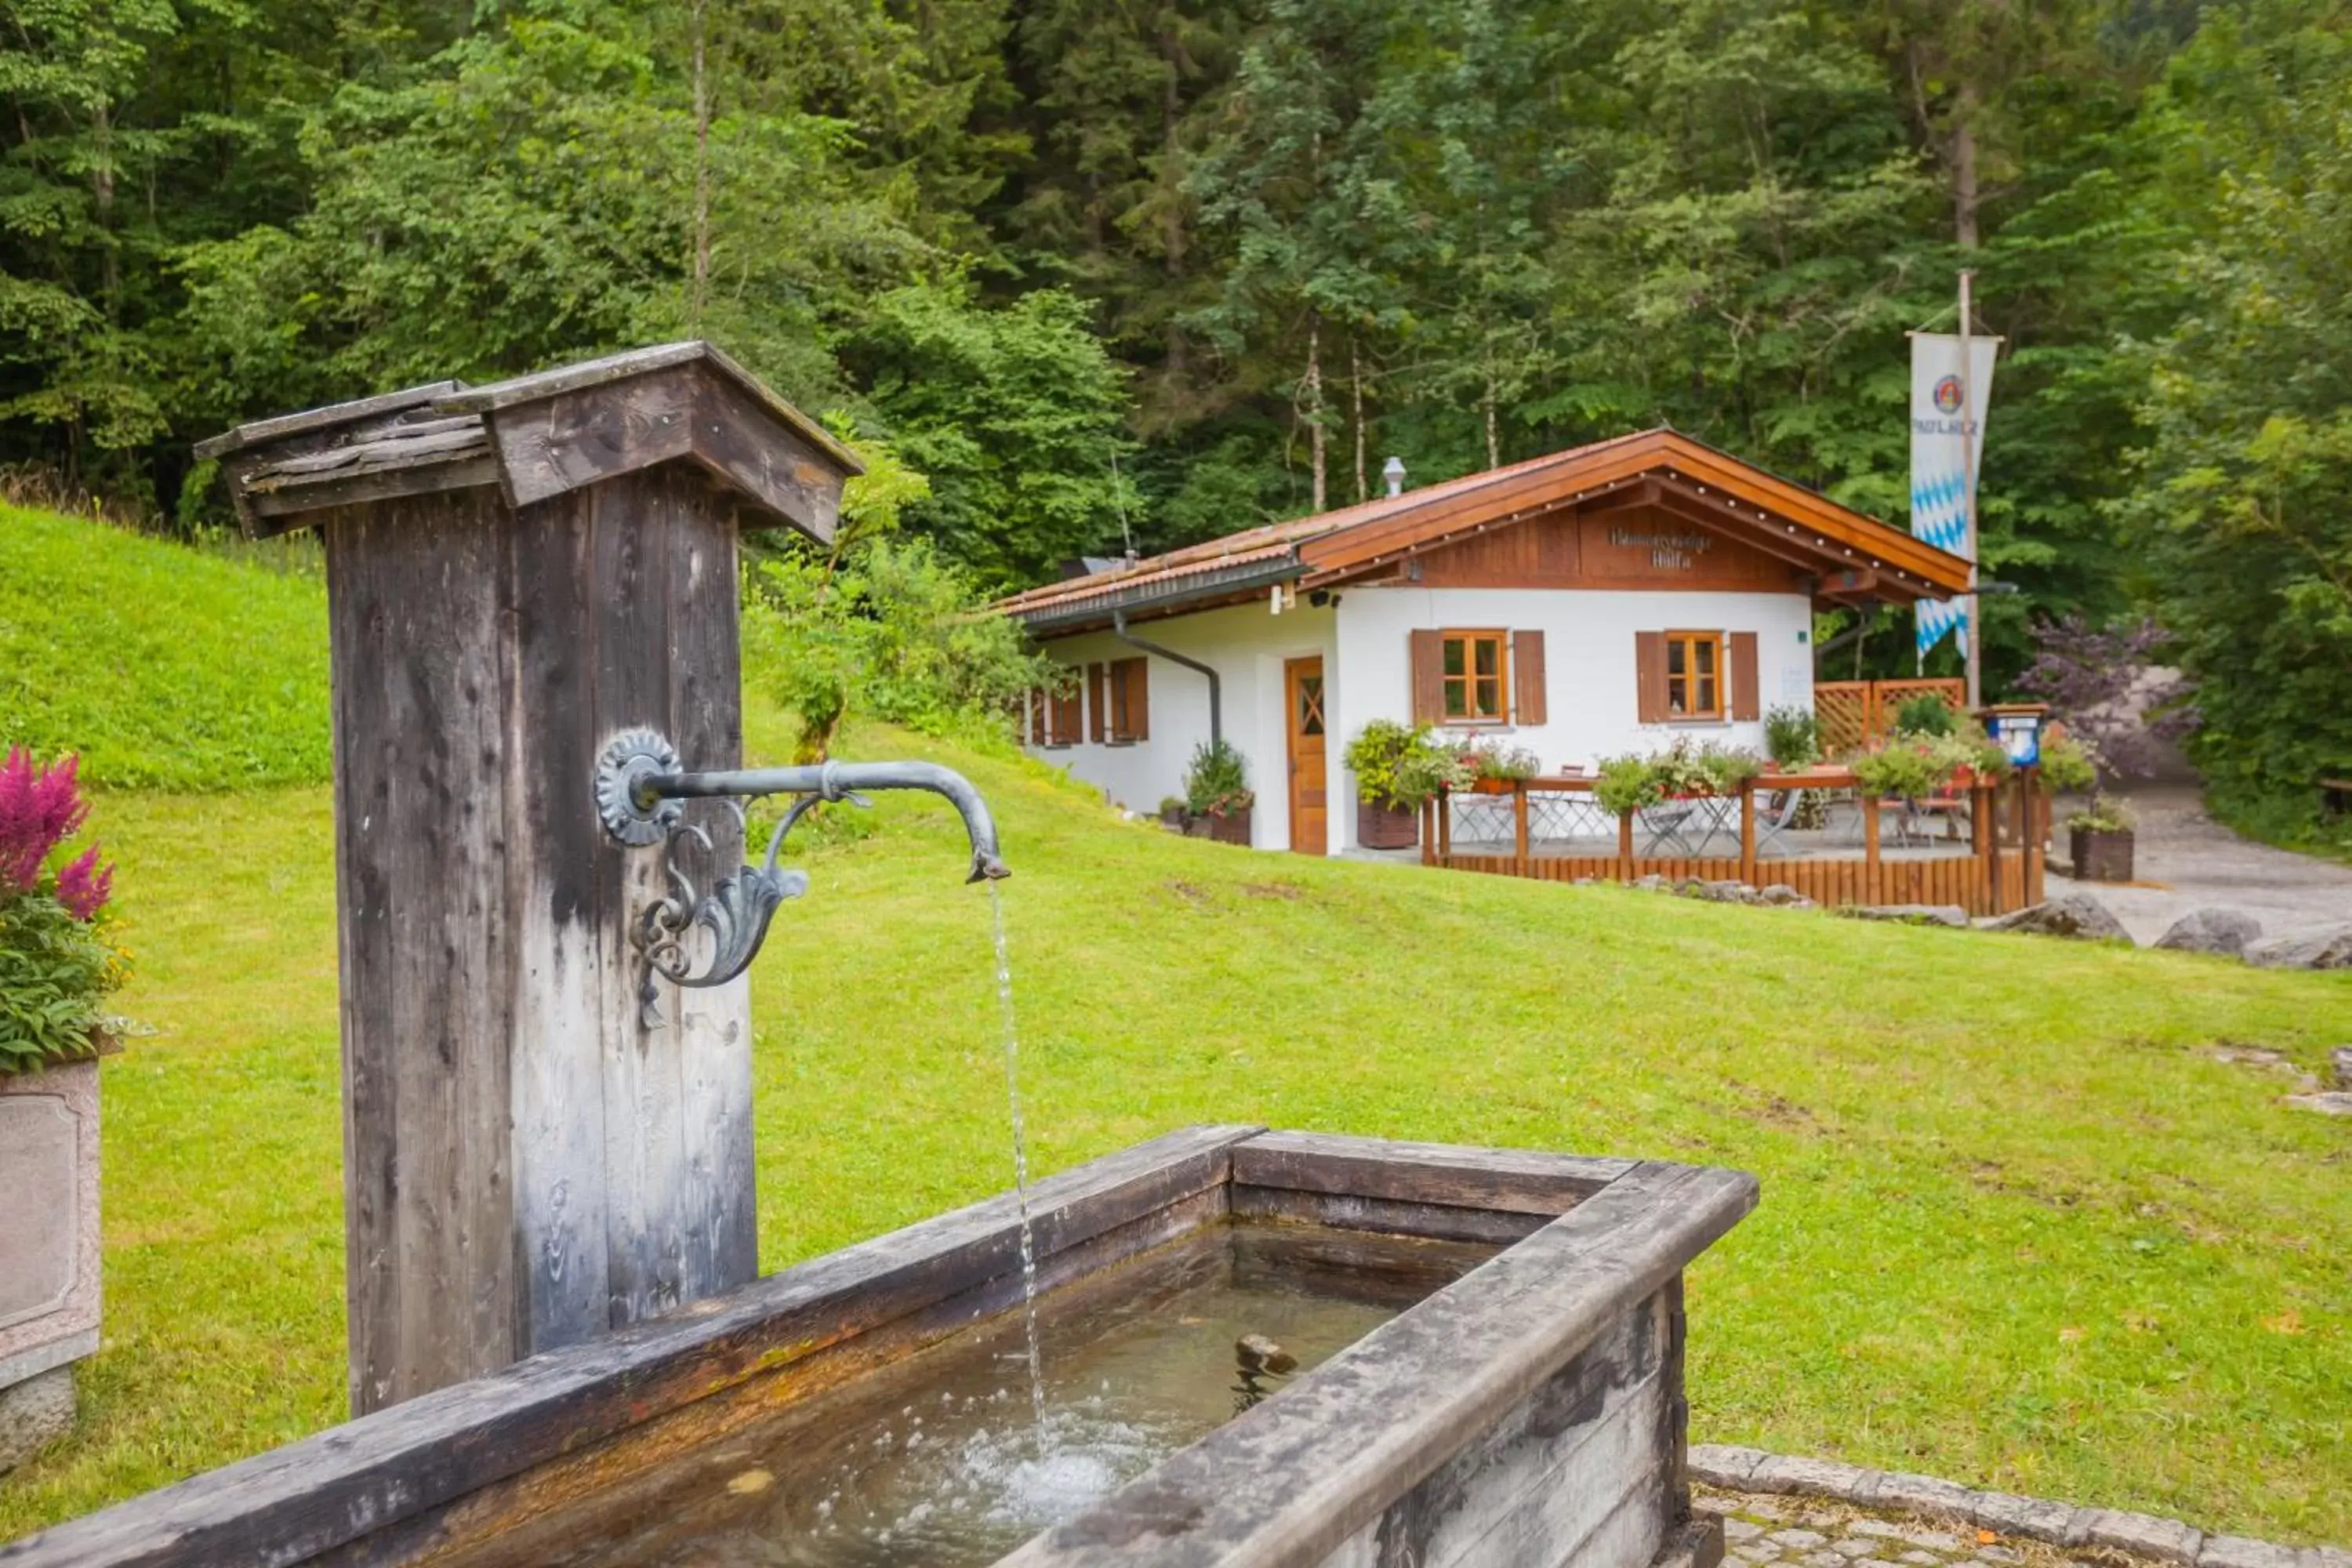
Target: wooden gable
[{"x": 1625, "y": 547}]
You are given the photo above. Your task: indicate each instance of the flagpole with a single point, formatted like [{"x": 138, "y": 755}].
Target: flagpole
[{"x": 1973, "y": 627}]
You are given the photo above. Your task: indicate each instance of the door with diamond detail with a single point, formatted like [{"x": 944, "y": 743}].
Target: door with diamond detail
[{"x": 1309, "y": 819}]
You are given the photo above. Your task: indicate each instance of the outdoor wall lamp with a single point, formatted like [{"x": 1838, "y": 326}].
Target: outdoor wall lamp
[{"x": 641, "y": 794}]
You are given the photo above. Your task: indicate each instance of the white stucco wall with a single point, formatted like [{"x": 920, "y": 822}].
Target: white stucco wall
[
  {"x": 1246, "y": 645},
  {"x": 1591, "y": 703}
]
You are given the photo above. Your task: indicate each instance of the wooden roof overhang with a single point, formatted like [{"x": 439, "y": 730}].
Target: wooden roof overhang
[
  {"x": 535, "y": 436},
  {"x": 1850, "y": 557}
]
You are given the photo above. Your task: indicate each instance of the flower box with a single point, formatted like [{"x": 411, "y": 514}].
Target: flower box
[
  {"x": 1386, "y": 827},
  {"x": 49, "y": 1249}
]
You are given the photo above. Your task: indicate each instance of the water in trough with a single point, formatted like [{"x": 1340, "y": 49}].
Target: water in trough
[{"x": 938, "y": 1459}]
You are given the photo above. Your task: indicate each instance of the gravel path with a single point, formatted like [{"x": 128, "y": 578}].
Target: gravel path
[{"x": 2201, "y": 862}]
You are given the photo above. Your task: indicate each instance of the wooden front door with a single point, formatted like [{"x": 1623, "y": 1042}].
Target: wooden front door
[{"x": 1303, "y": 684}]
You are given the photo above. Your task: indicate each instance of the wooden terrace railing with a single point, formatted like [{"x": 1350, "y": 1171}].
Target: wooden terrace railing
[{"x": 1998, "y": 866}]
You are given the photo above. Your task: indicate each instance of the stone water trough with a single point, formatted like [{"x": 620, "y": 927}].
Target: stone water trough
[{"x": 1529, "y": 1411}]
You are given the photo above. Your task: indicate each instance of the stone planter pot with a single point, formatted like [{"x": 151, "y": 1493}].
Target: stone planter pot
[
  {"x": 1385, "y": 828},
  {"x": 1172, "y": 819},
  {"x": 2100, "y": 854},
  {"x": 48, "y": 1250}
]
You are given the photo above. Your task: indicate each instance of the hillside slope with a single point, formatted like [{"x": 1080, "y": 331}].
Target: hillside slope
[
  {"x": 2021, "y": 1226},
  {"x": 164, "y": 667}
]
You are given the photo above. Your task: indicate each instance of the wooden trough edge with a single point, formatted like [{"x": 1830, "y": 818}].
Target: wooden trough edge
[
  {"x": 310, "y": 1497},
  {"x": 401, "y": 1465}
]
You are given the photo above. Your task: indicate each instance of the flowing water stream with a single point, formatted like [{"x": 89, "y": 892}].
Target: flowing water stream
[{"x": 1020, "y": 1156}]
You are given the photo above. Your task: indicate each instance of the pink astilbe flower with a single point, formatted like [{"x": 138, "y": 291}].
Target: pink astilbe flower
[
  {"x": 39, "y": 807},
  {"x": 84, "y": 885}
]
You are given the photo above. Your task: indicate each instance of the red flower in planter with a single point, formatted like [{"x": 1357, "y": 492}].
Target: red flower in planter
[{"x": 39, "y": 809}]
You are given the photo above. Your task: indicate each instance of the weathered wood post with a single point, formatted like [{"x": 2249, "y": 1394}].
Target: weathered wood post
[{"x": 515, "y": 571}]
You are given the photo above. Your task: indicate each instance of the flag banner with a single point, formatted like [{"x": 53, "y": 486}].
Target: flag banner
[{"x": 1940, "y": 465}]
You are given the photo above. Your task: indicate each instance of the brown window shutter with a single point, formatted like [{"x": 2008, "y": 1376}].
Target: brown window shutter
[
  {"x": 1745, "y": 698},
  {"x": 1428, "y": 678},
  {"x": 1097, "y": 704},
  {"x": 1036, "y": 715},
  {"x": 1650, "y": 676},
  {"x": 1527, "y": 678},
  {"x": 1139, "y": 699}
]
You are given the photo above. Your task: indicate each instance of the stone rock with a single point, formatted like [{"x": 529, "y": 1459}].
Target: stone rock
[
  {"x": 1799, "y": 1539},
  {"x": 1723, "y": 1465},
  {"x": 1735, "y": 1528},
  {"x": 2070, "y": 914},
  {"x": 2036, "y": 1518},
  {"x": 1854, "y": 1546},
  {"x": 1926, "y": 1494},
  {"x": 2339, "y": 1067},
  {"x": 1691, "y": 886},
  {"x": 2140, "y": 1535},
  {"x": 34, "y": 1414},
  {"x": 1729, "y": 892},
  {"x": 2332, "y": 1102},
  {"x": 1813, "y": 1478},
  {"x": 2321, "y": 947},
  {"x": 1653, "y": 883},
  {"x": 2238, "y": 1552},
  {"x": 1910, "y": 914},
  {"x": 2217, "y": 929},
  {"x": 1782, "y": 894}
]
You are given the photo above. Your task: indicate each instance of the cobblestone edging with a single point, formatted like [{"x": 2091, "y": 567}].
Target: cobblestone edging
[{"x": 2055, "y": 1524}]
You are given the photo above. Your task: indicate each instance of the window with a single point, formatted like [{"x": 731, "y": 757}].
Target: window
[
  {"x": 1130, "y": 704},
  {"x": 1477, "y": 674},
  {"x": 1695, "y": 675},
  {"x": 1063, "y": 719}
]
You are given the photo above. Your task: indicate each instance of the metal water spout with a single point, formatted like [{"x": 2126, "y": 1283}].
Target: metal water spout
[{"x": 641, "y": 794}]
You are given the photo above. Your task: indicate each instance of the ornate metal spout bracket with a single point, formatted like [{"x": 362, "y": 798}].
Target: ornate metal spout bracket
[{"x": 641, "y": 796}]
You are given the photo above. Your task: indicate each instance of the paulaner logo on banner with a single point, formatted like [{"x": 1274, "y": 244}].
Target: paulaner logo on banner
[{"x": 1940, "y": 465}]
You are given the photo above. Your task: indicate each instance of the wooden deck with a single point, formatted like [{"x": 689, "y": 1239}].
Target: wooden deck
[{"x": 1551, "y": 829}]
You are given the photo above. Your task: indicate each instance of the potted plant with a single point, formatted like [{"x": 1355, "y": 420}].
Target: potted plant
[
  {"x": 1397, "y": 769},
  {"x": 1792, "y": 739},
  {"x": 1728, "y": 769},
  {"x": 58, "y": 965},
  {"x": 2099, "y": 837},
  {"x": 1171, "y": 813},
  {"x": 1217, "y": 793},
  {"x": 1904, "y": 767},
  {"x": 1496, "y": 767},
  {"x": 1626, "y": 784}
]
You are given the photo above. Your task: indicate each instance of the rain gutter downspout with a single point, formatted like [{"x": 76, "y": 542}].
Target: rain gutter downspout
[{"x": 1216, "y": 699}]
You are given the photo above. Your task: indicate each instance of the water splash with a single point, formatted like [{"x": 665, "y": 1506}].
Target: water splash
[{"x": 1020, "y": 1155}]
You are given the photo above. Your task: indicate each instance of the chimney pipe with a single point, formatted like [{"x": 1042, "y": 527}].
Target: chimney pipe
[{"x": 1394, "y": 471}]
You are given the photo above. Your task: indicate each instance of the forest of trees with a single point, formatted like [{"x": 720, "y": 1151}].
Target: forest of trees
[{"x": 1156, "y": 270}]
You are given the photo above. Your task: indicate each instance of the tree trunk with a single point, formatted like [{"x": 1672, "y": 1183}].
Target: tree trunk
[
  {"x": 701, "y": 176},
  {"x": 1313, "y": 387},
  {"x": 1356, "y": 390},
  {"x": 1494, "y": 445},
  {"x": 1964, "y": 169},
  {"x": 1171, "y": 178}
]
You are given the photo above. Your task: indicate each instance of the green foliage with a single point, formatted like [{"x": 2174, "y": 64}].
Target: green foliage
[
  {"x": 1627, "y": 784},
  {"x": 1793, "y": 737},
  {"x": 1906, "y": 767},
  {"x": 56, "y": 973},
  {"x": 1402, "y": 767},
  {"x": 1924, "y": 714},
  {"x": 2105, "y": 814},
  {"x": 1013, "y": 416},
  {"x": 162, "y": 667},
  {"x": 1494, "y": 760},
  {"x": 1216, "y": 783},
  {"x": 890, "y": 631},
  {"x": 2067, "y": 765}
]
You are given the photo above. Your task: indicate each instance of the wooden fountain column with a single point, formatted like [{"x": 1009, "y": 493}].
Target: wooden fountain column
[{"x": 515, "y": 571}]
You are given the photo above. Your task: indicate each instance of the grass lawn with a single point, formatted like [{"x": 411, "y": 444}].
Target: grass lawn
[{"x": 2019, "y": 1228}]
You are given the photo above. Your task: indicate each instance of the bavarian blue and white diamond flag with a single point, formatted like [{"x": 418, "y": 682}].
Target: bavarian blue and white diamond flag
[{"x": 1938, "y": 469}]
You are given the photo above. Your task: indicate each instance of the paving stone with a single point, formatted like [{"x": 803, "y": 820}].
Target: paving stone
[
  {"x": 1823, "y": 1560},
  {"x": 2237, "y": 1551},
  {"x": 1800, "y": 1540},
  {"x": 1923, "y": 1559},
  {"x": 1756, "y": 1550},
  {"x": 1876, "y": 1563},
  {"x": 1741, "y": 1529},
  {"x": 2327, "y": 1557},
  {"x": 2141, "y": 1534},
  {"x": 1998, "y": 1554},
  {"x": 1854, "y": 1546},
  {"x": 2035, "y": 1518},
  {"x": 1929, "y": 1539},
  {"x": 1923, "y": 1494}
]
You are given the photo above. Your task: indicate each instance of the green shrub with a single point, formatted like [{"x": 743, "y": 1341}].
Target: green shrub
[
  {"x": 1217, "y": 784},
  {"x": 1627, "y": 784},
  {"x": 1906, "y": 766},
  {"x": 1493, "y": 760},
  {"x": 1793, "y": 737},
  {"x": 1403, "y": 767},
  {"x": 1926, "y": 714}
]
